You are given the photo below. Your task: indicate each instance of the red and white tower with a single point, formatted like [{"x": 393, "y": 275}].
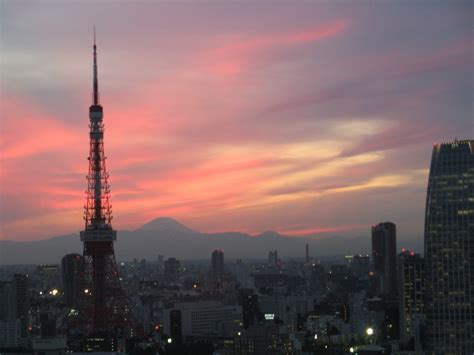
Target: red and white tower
[{"x": 103, "y": 306}]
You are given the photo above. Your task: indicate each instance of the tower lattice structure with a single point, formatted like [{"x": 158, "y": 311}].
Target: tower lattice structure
[{"x": 103, "y": 306}]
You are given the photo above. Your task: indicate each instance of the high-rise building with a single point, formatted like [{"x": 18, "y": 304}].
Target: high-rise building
[
  {"x": 250, "y": 310},
  {"x": 449, "y": 249},
  {"x": 217, "y": 268},
  {"x": 384, "y": 255},
  {"x": 161, "y": 263},
  {"x": 14, "y": 311},
  {"x": 411, "y": 296},
  {"x": 361, "y": 265},
  {"x": 22, "y": 301},
  {"x": 172, "y": 269},
  {"x": 176, "y": 326},
  {"x": 7, "y": 301},
  {"x": 50, "y": 275},
  {"x": 72, "y": 268},
  {"x": 273, "y": 258}
]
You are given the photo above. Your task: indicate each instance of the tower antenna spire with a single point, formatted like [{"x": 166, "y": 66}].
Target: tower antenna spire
[
  {"x": 96, "y": 80},
  {"x": 102, "y": 306}
]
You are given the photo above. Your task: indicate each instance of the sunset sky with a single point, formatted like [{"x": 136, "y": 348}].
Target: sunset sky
[{"x": 303, "y": 117}]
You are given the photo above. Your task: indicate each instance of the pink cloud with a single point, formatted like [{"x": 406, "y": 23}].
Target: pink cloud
[
  {"x": 29, "y": 131},
  {"x": 233, "y": 58}
]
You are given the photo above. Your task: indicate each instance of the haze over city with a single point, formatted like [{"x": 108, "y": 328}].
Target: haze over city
[{"x": 316, "y": 118}]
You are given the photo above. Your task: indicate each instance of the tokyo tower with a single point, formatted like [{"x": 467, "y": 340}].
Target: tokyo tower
[{"x": 103, "y": 306}]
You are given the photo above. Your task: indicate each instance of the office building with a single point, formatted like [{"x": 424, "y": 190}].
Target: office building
[
  {"x": 211, "y": 319},
  {"x": 9, "y": 333},
  {"x": 217, "y": 268},
  {"x": 172, "y": 269},
  {"x": 72, "y": 268},
  {"x": 449, "y": 249},
  {"x": 22, "y": 302},
  {"x": 273, "y": 258},
  {"x": 411, "y": 296},
  {"x": 384, "y": 255}
]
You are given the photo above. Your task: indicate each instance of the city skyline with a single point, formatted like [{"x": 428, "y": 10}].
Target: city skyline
[{"x": 300, "y": 123}]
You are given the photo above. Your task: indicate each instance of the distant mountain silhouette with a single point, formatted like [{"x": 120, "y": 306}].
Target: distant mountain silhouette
[
  {"x": 170, "y": 238},
  {"x": 165, "y": 224}
]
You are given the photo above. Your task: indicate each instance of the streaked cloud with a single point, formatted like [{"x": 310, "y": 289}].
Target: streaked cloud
[{"x": 313, "y": 118}]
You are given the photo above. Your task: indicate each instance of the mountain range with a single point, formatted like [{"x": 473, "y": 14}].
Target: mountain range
[{"x": 170, "y": 238}]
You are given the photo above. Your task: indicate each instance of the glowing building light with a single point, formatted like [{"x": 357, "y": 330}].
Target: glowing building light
[{"x": 269, "y": 316}]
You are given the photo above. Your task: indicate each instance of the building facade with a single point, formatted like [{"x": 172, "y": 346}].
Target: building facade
[
  {"x": 210, "y": 319},
  {"x": 411, "y": 296},
  {"x": 384, "y": 255},
  {"x": 172, "y": 270},
  {"x": 449, "y": 249},
  {"x": 217, "y": 268},
  {"x": 72, "y": 268}
]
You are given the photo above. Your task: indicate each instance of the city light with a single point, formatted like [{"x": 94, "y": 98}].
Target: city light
[
  {"x": 370, "y": 331},
  {"x": 169, "y": 340},
  {"x": 351, "y": 349},
  {"x": 269, "y": 316}
]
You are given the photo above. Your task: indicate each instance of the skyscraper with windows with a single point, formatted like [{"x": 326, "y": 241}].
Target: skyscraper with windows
[
  {"x": 449, "y": 249},
  {"x": 411, "y": 296},
  {"x": 384, "y": 254}
]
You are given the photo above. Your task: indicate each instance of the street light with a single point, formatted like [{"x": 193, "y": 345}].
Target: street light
[
  {"x": 170, "y": 340},
  {"x": 370, "y": 331}
]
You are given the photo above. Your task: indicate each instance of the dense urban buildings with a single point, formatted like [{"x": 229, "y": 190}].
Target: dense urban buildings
[
  {"x": 449, "y": 249},
  {"x": 384, "y": 254}
]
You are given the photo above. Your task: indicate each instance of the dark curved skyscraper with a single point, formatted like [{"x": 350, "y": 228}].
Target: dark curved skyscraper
[{"x": 449, "y": 249}]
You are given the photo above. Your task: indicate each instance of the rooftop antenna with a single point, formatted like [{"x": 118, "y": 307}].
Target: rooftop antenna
[{"x": 96, "y": 83}]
